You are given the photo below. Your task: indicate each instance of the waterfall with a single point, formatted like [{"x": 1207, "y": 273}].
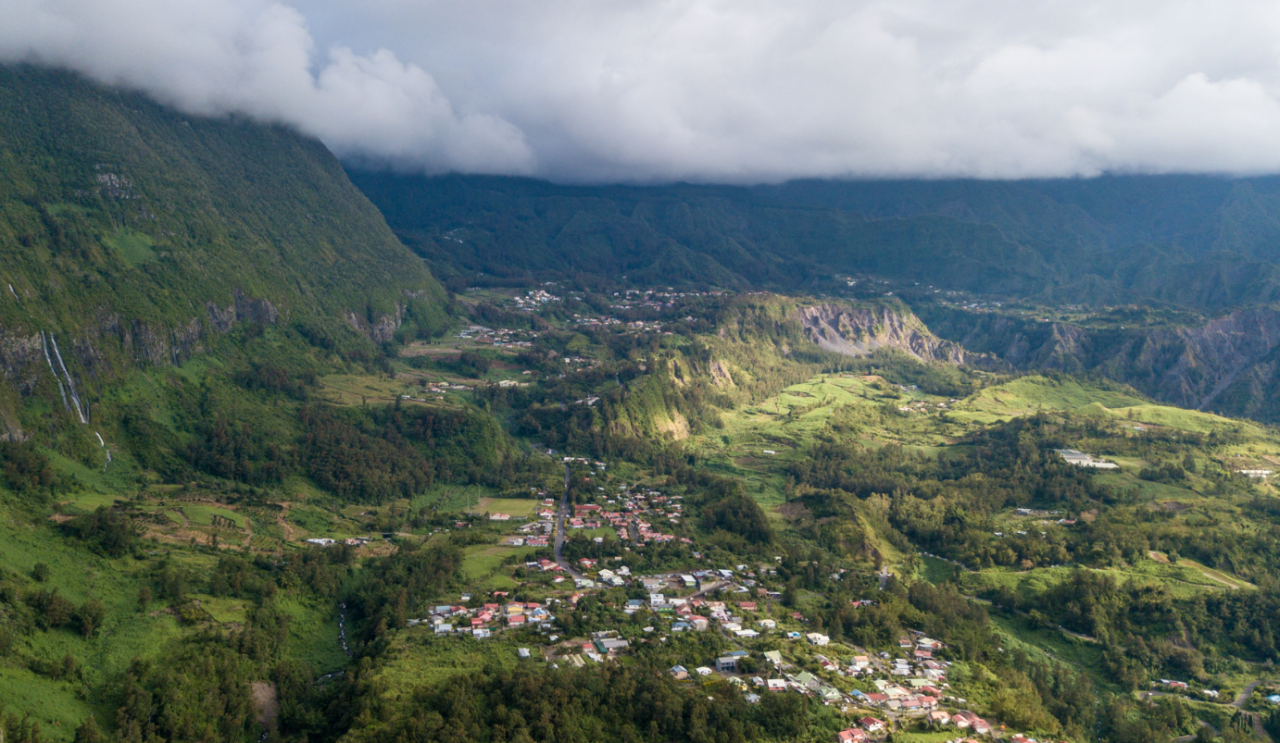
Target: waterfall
[
  {"x": 103, "y": 444},
  {"x": 75, "y": 399},
  {"x": 56, "y": 378}
]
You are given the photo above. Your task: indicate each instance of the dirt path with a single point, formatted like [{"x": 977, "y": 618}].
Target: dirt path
[{"x": 1165, "y": 561}]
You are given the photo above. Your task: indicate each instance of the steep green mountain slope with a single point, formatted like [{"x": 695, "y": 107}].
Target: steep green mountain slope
[
  {"x": 1184, "y": 240},
  {"x": 133, "y": 235}
]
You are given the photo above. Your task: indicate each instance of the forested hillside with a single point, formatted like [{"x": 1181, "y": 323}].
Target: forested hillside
[
  {"x": 133, "y": 235},
  {"x": 1197, "y": 241}
]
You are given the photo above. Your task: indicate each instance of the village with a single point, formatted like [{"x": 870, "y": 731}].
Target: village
[{"x": 752, "y": 641}]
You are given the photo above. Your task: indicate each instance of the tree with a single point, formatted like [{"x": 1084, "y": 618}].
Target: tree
[
  {"x": 88, "y": 732},
  {"x": 90, "y": 614}
]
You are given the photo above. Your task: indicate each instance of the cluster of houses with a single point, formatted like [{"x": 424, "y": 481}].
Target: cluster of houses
[
  {"x": 605, "y": 645},
  {"x": 634, "y": 516},
  {"x": 327, "y": 542},
  {"x": 535, "y": 299},
  {"x": 480, "y": 622},
  {"x": 918, "y": 698},
  {"x": 498, "y": 337}
]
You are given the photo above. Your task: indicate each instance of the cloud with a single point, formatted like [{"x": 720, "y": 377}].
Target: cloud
[
  {"x": 709, "y": 90},
  {"x": 259, "y": 58}
]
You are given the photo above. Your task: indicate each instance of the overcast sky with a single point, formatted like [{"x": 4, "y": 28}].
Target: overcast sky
[{"x": 707, "y": 90}]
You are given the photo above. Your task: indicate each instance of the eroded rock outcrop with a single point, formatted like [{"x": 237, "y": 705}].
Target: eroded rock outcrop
[{"x": 859, "y": 331}]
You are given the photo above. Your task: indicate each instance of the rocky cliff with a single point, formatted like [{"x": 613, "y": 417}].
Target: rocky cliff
[
  {"x": 1226, "y": 364},
  {"x": 859, "y": 331}
]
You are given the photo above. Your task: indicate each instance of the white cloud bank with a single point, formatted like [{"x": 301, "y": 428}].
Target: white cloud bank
[
  {"x": 708, "y": 90},
  {"x": 258, "y": 58}
]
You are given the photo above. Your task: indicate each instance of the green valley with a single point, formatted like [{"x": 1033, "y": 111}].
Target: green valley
[{"x": 686, "y": 463}]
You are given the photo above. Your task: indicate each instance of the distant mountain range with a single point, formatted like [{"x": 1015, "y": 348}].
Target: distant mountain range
[{"x": 1196, "y": 241}]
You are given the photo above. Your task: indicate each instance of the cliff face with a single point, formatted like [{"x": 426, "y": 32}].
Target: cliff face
[
  {"x": 1227, "y": 364},
  {"x": 1193, "y": 367},
  {"x": 859, "y": 331}
]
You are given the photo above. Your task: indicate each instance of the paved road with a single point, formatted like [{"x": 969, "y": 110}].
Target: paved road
[
  {"x": 709, "y": 589},
  {"x": 560, "y": 530},
  {"x": 1259, "y": 732}
]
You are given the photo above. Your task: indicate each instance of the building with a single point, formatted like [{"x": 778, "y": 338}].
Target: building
[
  {"x": 727, "y": 664},
  {"x": 1080, "y": 459}
]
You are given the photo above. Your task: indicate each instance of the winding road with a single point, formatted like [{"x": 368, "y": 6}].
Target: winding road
[{"x": 1241, "y": 699}]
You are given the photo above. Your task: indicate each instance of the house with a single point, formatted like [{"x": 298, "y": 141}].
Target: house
[
  {"x": 767, "y": 624},
  {"x": 679, "y": 673},
  {"x": 871, "y": 724},
  {"x": 851, "y": 735},
  {"x": 727, "y": 664},
  {"x": 611, "y": 647},
  {"x": 480, "y": 633},
  {"x": 777, "y": 684},
  {"x": 816, "y": 638},
  {"x": 774, "y": 657},
  {"x": 703, "y": 671},
  {"x": 939, "y": 717},
  {"x": 523, "y": 652},
  {"x": 807, "y": 680},
  {"x": 860, "y": 662}
]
